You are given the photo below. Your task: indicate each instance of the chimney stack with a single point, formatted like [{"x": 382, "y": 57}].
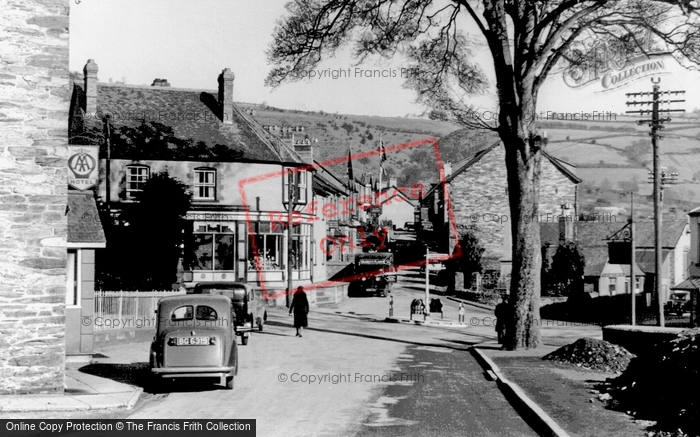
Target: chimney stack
[
  {"x": 304, "y": 149},
  {"x": 566, "y": 224},
  {"x": 90, "y": 77},
  {"x": 226, "y": 95}
]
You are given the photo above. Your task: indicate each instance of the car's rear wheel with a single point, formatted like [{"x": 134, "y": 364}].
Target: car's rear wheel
[{"x": 229, "y": 382}]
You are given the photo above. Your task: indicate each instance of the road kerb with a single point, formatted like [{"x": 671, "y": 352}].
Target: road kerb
[
  {"x": 134, "y": 398},
  {"x": 474, "y": 304},
  {"x": 424, "y": 322},
  {"x": 544, "y": 424}
]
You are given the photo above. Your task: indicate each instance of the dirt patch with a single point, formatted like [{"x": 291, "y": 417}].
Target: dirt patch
[
  {"x": 662, "y": 386},
  {"x": 593, "y": 354}
]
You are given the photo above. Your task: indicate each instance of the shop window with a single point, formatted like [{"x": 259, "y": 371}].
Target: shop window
[
  {"x": 204, "y": 184},
  {"x": 266, "y": 248},
  {"x": 214, "y": 246},
  {"x": 136, "y": 178}
]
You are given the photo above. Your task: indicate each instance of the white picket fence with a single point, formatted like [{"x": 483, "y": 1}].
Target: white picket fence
[{"x": 127, "y": 309}]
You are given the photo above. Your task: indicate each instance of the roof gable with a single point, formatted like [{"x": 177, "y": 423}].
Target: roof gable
[{"x": 479, "y": 152}]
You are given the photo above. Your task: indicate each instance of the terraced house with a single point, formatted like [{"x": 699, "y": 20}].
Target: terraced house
[{"x": 238, "y": 174}]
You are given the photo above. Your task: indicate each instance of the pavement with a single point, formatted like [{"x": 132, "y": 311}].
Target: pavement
[{"x": 84, "y": 391}]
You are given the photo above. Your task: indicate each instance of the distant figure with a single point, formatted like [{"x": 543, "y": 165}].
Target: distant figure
[
  {"x": 501, "y": 313},
  {"x": 300, "y": 306},
  {"x": 461, "y": 312}
]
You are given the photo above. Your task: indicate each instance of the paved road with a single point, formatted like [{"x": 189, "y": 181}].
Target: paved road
[{"x": 351, "y": 375}]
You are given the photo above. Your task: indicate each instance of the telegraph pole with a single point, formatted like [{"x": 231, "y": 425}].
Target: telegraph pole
[
  {"x": 291, "y": 191},
  {"x": 656, "y": 124},
  {"x": 427, "y": 282},
  {"x": 632, "y": 259},
  {"x": 108, "y": 146}
]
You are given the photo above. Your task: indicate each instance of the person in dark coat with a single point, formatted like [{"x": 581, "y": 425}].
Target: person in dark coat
[
  {"x": 300, "y": 307},
  {"x": 501, "y": 313}
]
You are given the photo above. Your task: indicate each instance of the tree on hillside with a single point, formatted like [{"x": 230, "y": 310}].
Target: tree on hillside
[{"x": 526, "y": 41}]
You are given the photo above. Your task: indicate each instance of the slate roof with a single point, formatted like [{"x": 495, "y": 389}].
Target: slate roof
[
  {"x": 478, "y": 152},
  {"x": 646, "y": 259},
  {"x": 671, "y": 231},
  {"x": 593, "y": 240},
  {"x": 328, "y": 181},
  {"x": 596, "y": 258},
  {"x": 590, "y": 234},
  {"x": 692, "y": 284},
  {"x": 191, "y": 113},
  {"x": 84, "y": 225}
]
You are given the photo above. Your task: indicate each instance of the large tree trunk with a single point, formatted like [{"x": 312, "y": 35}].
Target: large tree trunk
[
  {"x": 523, "y": 155},
  {"x": 517, "y": 97}
]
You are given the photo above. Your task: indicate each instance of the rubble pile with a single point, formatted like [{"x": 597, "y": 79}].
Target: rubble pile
[
  {"x": 589, "y": 353},
  {"x": 663, "y": 385}
]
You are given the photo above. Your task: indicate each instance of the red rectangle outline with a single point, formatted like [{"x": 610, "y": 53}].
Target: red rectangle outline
[{"x": 308, "y": 167}]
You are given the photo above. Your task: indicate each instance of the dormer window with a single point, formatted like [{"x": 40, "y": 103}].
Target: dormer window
[
  {"x": 204, "y": 184},
  {"x": 136, "y": 178}
]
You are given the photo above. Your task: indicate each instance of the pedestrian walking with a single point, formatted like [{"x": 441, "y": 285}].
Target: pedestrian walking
[
  {"x": 501, "y": 313},
  {"x": 461, "y": 312},
  {"x": 300, "y": 307}
]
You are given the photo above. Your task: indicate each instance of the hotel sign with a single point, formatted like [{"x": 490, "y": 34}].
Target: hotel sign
[
  {"x": 610, "y": 64},
  {"x": 82, "y": 167}
]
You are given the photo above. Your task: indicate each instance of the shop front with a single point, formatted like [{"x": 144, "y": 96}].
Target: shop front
[{"x": 233, "y": 247}]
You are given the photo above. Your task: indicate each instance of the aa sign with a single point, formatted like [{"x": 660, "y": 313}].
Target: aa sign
[{"x": 82, "y": 167}]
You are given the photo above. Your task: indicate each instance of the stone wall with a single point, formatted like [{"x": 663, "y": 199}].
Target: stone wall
[
  {"x": 34, "y": 114},
  {"x": 480, "y": 198}
]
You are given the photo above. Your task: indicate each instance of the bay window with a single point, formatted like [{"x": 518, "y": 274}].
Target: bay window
[
  {"x": 300, "y": 182},
  {"x": 301, "y": 236}
]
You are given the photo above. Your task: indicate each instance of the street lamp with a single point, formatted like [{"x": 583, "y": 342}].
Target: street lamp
[{"x": 292, "y": 203}]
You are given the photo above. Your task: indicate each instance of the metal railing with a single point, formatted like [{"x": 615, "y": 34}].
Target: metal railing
[{"x": 127, "y": 309}]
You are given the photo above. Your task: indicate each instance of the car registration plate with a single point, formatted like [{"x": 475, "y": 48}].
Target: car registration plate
[{"x": 192, "y": 341}]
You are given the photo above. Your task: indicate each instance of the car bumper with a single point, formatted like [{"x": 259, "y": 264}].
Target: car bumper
[{"x": 193, "y": 372}]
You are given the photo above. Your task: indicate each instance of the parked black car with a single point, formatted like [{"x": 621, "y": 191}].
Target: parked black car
[{"x": 678, "y": 303}]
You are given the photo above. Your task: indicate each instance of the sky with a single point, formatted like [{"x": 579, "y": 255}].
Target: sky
[{"x": 189, "y": 42}]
